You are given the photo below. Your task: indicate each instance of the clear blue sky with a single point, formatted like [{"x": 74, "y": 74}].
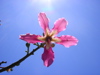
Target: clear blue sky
[{"x": 21, "y": 17}]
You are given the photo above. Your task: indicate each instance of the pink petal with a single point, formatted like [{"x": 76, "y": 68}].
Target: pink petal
[
  {"x": 67, "y": 40},
  {"x": 48, "y": 56},
  {"x": 43, "y": 21},
  {"x": 60, "y": 25},
  {"x": 30, "y": 38}
]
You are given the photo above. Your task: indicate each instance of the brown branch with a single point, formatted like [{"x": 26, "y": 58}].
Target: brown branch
[{"x": 20, "y": 60}]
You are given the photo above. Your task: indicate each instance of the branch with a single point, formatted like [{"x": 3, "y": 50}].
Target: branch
[
  {"x": 3, "y": 62},
  {"x": 20, "y": 60}
]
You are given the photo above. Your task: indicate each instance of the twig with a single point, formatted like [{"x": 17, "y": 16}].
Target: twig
[
  {"x": 3, "y": 62},
  {"x": 19, "y": 61}
]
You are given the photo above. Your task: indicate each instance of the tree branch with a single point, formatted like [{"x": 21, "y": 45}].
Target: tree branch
[
  {"x": 3, "y": 62},
  {"x": 19, "y": 61}
]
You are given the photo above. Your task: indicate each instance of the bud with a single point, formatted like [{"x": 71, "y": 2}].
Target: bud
[
  {"x": 53, "y": 45},
  {"x": 28, "y": 45},
  {"x": 43, "y": 34}
]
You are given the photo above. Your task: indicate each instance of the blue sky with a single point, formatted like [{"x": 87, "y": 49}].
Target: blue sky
[{"x": 21, "y": 17}]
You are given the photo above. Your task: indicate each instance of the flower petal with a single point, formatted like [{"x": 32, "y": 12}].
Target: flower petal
[
  {"x": 67, "y": 40},
  {"x": 59, "y": 25},
  {"x": 30, "y": 38},
  {"x": 43, "y": 21},
  {"x": 48, "y": 56}
]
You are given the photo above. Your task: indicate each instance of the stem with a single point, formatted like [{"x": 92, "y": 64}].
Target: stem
[
  {"x": 20, "y": 60},
  {"x": 28, "y": 50}
]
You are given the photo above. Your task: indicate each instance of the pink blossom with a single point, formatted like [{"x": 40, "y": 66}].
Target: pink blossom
[{"x": 50, "y": 37}]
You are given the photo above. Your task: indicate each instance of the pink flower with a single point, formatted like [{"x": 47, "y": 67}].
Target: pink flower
[{"x": 50, "y": 37}]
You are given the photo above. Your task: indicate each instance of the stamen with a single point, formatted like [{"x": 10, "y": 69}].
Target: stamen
[
  {"x": 53, "y": 33},
  {"x": 56, "y": 40},
  {"x": 47, "y": 32},
  {"x": 41, "y": 38}
]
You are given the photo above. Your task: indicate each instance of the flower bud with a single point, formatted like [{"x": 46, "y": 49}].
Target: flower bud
[
  {"x": 28, "y": 45},
  {"x": 53, "y": 45}
]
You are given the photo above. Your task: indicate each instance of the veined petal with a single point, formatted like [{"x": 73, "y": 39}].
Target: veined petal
[
  {"x": 59, "y": 25},
  {"x": 48, "y": 56},
  {"x": 67, "y": 40},
  {"x": 43, "y": 21},
  {"x": 30, "y": 38}
]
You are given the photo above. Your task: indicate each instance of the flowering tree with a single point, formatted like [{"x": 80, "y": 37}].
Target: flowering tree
[{"x": 47, "y": 41}]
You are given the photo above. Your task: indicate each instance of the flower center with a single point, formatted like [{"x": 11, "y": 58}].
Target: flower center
[{"x": 48, "y": 38}]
